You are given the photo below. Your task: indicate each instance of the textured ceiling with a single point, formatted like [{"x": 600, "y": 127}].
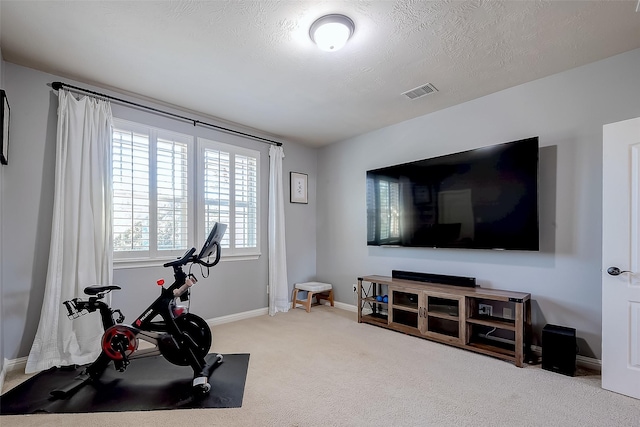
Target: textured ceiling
[{"x": 252, "y": 62}]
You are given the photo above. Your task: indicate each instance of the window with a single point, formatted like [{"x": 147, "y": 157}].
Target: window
[
  {"x": 383, "y": 197},
  {"x": 157, "y": 184},
  {"x": 151, "y": 214},
  {"x": 130, "y": 190},
  {"x": 389, "y": 197},
  {"x": 231, "y": 194}
]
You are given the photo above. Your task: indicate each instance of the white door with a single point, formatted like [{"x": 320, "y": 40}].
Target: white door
[{"x": 621, "y": 258}]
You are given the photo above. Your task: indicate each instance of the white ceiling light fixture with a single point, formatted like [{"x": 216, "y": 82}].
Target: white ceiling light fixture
[{"x": 331, "y": 32}]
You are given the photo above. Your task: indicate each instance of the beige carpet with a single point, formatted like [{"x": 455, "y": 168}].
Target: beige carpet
[{"x": 324, "y": 369}]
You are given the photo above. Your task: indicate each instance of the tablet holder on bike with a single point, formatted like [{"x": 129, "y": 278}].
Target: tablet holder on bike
[{"x": 180, "y": 337}]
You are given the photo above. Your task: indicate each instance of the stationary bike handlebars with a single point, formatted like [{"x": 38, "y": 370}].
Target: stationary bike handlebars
[{"x": 190, "y": 257}]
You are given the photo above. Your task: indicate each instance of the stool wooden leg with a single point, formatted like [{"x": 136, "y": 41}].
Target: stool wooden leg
[
  {"x": 295, "y": 297},
  {"x": 327, "y": 296},
  {"x": 309, "y": 298}
]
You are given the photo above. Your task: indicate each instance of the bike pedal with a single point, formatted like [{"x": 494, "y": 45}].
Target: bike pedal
[
  {"x": 200, "y": 381},
  {"x": 201, "y": 385}
]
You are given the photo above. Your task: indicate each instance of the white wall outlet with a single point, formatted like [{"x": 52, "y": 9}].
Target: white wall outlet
[
  {"x": 507, "y": 313},
  {"x": 485, "y": 309}
]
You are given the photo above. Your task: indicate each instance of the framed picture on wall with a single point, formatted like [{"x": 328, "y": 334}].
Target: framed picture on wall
[
  {"x": 4, "y": 131},
  {"x": 298, "y": 187}
]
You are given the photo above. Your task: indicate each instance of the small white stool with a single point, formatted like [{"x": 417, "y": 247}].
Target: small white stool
[{"x": 317, "y": 289}]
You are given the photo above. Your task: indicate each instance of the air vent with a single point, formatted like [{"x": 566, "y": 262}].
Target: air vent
[{"x": 420, "y": 91}]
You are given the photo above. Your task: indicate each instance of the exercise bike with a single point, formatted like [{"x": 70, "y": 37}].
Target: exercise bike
[{"x": 183, "y": 338}]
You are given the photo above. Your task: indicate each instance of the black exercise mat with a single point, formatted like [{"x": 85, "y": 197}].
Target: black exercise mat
[{"x": 148, "y": 384}]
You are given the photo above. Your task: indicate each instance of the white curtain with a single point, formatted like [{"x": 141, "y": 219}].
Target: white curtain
[
  {"x": 81, "y": 240},
  {"x": 278, "y": 285}
]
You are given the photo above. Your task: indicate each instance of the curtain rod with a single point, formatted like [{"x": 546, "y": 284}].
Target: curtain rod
[{"x": 60, "y": 85}]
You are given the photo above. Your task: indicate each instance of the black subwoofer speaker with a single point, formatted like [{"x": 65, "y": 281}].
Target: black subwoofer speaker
[{"x": 559, "y": 349}]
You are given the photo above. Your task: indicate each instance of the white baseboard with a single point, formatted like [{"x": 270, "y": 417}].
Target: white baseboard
[
  {"x": 582, "y": 361},
  {"x": 3, "y": 373},
  {"x": 589, "y": 363},
  {"x": 238, "y": 316},
  {"x": 11, "y": 365},
  {"x": 263, "y": 311},
  {"x": 344, "y": 306}
]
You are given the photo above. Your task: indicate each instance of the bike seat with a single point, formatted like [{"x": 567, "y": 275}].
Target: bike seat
[{"x": 98, "y": 289}]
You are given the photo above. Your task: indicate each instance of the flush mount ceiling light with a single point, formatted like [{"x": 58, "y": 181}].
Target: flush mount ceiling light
[{"x": 331, "y": 32}]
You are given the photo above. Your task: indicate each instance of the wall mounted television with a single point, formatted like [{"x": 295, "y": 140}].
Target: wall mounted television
[{"x": 485, "y": 198}]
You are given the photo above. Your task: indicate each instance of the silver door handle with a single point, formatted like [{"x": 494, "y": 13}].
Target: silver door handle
[{"x": 615, "y": 271}]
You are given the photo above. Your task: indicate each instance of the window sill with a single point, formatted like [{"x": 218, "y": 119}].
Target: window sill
[{"x": 122, "y": 264}]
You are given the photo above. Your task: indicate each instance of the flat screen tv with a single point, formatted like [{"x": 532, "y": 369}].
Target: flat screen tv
[{"x": 485, "y": 198}]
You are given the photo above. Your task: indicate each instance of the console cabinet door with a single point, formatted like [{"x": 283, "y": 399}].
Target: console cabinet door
[
  {"x": 443, "y": 317},
  {"x": 403, "y": 309}
]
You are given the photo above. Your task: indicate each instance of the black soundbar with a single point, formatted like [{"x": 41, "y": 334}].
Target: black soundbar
[{"x": 466, "y": 282}]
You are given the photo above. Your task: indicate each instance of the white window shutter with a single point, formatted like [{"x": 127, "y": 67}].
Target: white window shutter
[
  {"x": 217, "y": 190},
  {"x": 172, "y": 195},
  {"x": 246, "y": 201},
  {"x": 130, "y": 191}
]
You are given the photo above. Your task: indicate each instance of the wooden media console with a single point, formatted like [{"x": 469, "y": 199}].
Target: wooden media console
[{"x": 488, "y": 321}]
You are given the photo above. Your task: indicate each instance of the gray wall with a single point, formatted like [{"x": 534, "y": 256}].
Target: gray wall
[
  {"x": 233, "y": 287},
  {"x": 567, "y": 111}
]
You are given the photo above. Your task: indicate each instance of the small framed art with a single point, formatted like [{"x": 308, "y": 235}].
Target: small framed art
[
  {"x": 4, "y": 131},
  {"x": 298, "y": 187}
]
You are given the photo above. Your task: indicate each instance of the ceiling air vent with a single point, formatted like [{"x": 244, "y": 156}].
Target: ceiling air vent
[{"x": 420, "y": 91}]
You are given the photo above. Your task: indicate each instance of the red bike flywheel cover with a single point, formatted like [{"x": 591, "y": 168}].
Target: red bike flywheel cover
[{"x": 116, "y": 334}]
